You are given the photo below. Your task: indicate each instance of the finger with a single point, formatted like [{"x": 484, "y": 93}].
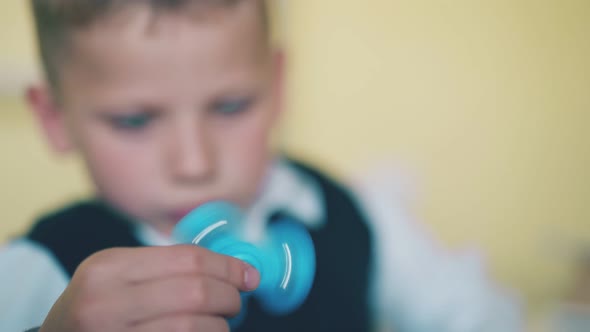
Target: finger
[
  {"x": 188, "y": 323},
  {"x": 179, "y": 295},
  {"x": 144, "y": 264}
]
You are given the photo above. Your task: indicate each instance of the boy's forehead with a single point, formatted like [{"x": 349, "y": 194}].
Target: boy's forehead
[{"x": 139, "y": 38}]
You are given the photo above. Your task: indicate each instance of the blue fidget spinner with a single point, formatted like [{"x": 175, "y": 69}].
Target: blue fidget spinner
[{"x": 285, "y": 257}]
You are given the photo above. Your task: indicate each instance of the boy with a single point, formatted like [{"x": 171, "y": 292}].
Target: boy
[{"x": 170, "y": 103}]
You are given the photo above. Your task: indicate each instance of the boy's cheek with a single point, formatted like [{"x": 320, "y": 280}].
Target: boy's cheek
[
  {"x": 114, "y": 165},
  {"x": 129, "y": 189}
]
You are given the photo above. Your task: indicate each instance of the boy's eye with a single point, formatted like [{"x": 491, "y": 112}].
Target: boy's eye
[
  {"x": 232, "y": 106},
  {"x": 131, "y": 122}
]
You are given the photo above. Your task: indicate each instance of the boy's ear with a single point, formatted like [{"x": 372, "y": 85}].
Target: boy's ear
[
  {"x": 279, "y": 72},
  {"x": 50, "y": 117}
]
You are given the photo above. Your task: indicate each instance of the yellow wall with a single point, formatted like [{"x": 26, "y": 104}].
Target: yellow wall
[{"x": 486, "y": 101}]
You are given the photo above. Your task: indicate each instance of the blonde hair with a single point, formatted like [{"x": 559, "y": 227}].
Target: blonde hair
[{"x": 55, "y": 20}]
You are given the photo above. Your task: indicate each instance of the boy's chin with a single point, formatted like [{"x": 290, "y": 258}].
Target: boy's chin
[{"x": 177, "y": 215}]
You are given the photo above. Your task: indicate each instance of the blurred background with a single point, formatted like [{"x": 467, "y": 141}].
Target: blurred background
[{"x": 484, "y": 105}]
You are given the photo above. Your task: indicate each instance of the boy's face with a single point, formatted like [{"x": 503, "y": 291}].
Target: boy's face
[{"x": 169, "y": 111}]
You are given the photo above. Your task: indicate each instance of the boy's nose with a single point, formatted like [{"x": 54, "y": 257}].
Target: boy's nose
[{"x": 192, "y": 159}]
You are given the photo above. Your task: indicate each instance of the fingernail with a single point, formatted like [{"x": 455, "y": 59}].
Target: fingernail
[{"x": 251, "y": 278}]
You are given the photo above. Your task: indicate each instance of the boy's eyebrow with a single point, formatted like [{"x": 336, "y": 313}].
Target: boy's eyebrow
[{"x": 109, "y": 111}]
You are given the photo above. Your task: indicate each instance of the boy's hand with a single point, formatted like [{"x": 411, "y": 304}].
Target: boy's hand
[{"x": 179, "y": 288}]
